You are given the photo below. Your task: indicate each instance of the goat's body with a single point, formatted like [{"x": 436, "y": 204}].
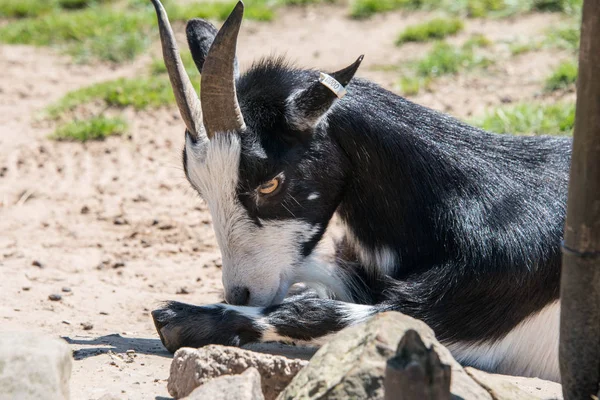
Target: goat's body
[
  {"x": 450, "y": 224},
  {"x": 467, "y": 223}
]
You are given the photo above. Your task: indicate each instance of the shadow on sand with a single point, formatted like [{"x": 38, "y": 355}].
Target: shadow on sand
[{"x": 85, "y": 347}]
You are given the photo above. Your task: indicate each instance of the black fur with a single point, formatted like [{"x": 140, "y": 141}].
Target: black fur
[{"x": 474, "y": 219}]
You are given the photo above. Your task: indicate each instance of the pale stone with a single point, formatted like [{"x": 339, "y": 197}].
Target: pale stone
[
  {"x": 245, "y": 386},
  {"x": 33, "y": 366},
  {"x": 506, "y": 387},
  {"x": 194, "y": 367},
  {"x": 352, "y": 364}
]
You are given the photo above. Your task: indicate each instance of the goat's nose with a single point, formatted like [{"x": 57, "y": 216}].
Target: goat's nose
[{"x": 238, "y": 296}]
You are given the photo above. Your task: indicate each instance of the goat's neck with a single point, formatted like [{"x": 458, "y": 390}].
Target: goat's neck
[{"x": 397, "y": 175}]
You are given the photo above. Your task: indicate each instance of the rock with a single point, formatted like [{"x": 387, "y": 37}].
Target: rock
[
  {"x": 194, "y": 367},
  {"x": 33, "y": 366},
  {"x": 352, "y": 364},
  {"x": 55, "y": 297},
  {"x": 245, "y": 386},
  {"x": 87, "y": 326},
  {"x": 416, "y": 372},
  {"x": 505, "y": 387}
]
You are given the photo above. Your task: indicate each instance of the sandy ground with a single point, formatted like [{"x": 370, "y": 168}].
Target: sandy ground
[{"x": 114, "y": 228}]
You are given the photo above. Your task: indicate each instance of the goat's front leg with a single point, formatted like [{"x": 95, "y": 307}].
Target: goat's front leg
[{"x": 300, "y": 319}]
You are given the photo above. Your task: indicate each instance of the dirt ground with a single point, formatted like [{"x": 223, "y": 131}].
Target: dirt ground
[{"x": 114, "y": 228}]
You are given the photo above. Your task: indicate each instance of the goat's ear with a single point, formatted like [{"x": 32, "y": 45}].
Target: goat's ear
[
  {"x": 306, "y": 107},
  {"x": 200, "y": 35}
]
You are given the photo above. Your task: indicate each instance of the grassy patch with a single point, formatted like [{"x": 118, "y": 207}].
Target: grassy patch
[
  {"x": 157, "y": 66},
  {"x": 477, "y": 40},
  {"x": 366, "y": 8},
  {"x": 564, "y": 76},
  {"x": 258, "y": 10},
  {"x": 437, "y": 28},
  {"x": 553, "y": 119},
  {"x": 446, "y": 59},
  {"x": 139, "y": 93},
  {"x": 564, "y": 6},
  {"x": 564, "y": 38},
  {"x": 443, "y": 59},
  {"x": 304, "y": 2},
  {"x": 24, "y": 8},
  {"x": 518, "y": 48},
  {"x": 95, "y": 128},
  {"x": 469, "y": 8},
  {"x": 35, "y": 8},
  {"x": 95, "y": 32}
]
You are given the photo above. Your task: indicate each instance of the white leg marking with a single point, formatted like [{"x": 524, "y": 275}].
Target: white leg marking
[
  {"x": 530, "y": 349},
  {"x": 352, "y": 314}
]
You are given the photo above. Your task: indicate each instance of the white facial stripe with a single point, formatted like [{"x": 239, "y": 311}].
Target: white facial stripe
[
  {"x": 530, "y": 349},
  {"x": 260, "y": 259}
]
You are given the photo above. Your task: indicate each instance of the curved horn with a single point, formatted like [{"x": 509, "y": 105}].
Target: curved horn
[
  {"x": 218, "y": 96},
  {"x": 185, "y": 94}
]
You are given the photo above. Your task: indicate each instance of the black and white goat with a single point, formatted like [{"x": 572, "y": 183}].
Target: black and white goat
[{"x": 450, "y": 224}]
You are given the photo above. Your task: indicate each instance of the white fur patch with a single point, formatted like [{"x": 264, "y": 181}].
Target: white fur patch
[
  {"x": 530, "y": 349},
  {"x": 258, "y": 258},
  {"x": 298, "y": 118},
  {"x": 382, "y": 259},
  {"x": 313, "y": 196}
]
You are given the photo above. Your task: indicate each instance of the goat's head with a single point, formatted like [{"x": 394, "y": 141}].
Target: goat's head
[{"x": 256, "y": 151}]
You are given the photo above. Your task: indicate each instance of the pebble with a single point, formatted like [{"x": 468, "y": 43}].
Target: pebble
[
  {"x": 26, "y": 288},
  {"x": 120, "y": 221},
  {"x": 85, "y": 210},
  {"x": 55, "y": 297},
  {"x": 66, "y": 289},
  {"x": 36, "y": 263},
  {"x": 183, "y": 290},
  {"x": 87, "y": 326},
  {"x": 118, "y": 264}
]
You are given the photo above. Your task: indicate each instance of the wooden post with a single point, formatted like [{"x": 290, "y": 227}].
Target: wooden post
[
  {"x": 580, "y": 280},
  {"x": 416, "y": 372}
]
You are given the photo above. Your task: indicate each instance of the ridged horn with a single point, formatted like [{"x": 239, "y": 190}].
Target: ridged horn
[
  {"x": 185, "y": 94},
  {"x": 218, "y": 96}
]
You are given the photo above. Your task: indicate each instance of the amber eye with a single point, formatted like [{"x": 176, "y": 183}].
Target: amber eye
[{"x": 270, "y": 186}]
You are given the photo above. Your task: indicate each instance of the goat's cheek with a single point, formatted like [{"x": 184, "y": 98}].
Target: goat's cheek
[{"x": 261, "y": 279}]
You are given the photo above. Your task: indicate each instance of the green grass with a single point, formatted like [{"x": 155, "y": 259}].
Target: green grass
[
  {"x": 477, "y": 41},
  {"x": 563, "y": 77},
  {"x": 36, "y": 8},
  {"x": 443, "y": 59},
  {"x": 366, "y": 8},
  {"x": 469, "y": 8},
  {"x": 24, "y": 8},
  {"x": 139, "y": 93},
  {"x": 437, "y": 28},
  {"x": 540, "y": 119},
  {"x": 258, "y": 10},
  {"x": 157, "y": 66},
  {"x": 564, "y": 38},
  {"x": 95, "y": 128},
  {"x": 92, "y": 33},
  {"x": 90, "y": 30}
]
